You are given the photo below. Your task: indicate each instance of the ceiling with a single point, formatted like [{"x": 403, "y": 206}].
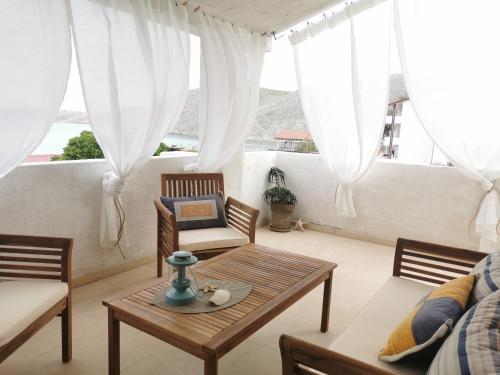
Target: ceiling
[{"x": 264, "y": 15}]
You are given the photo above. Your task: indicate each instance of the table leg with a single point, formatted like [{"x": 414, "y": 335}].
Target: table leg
[
  {"x": 113, "y": 344},
  {"x": 211, "y": 364},
  {"x": 327, "y": 295}
]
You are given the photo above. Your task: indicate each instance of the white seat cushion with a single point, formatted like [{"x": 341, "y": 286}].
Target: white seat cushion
[
  {"x": 211, "y": 238},
  {"x": 368, "y": 333},
  {"x": 22, "y": 302}
]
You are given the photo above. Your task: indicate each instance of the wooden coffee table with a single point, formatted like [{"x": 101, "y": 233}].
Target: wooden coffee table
[{"x": 279, "y": 279}]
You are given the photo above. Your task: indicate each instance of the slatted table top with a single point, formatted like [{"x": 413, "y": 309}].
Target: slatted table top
[{"x": 279, "y": 279}]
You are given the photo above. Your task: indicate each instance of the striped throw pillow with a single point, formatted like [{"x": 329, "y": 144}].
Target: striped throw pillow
[
  {"x": 488, "y": 277},
  {"x": 474, "y": 345}
]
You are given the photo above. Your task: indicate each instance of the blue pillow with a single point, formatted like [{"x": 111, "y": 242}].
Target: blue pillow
[{"x": 205, "y": 211}]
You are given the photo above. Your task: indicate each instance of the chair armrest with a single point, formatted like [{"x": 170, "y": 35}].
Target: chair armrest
[
  {"x": 432, "y": 263},
  {"x": 168, "y": 233},
  {"x": 298, "y": 357},
  {"x": 242, "y": 217}
]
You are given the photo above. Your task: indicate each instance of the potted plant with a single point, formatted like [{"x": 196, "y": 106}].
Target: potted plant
[{"x": 281, "y": 200}]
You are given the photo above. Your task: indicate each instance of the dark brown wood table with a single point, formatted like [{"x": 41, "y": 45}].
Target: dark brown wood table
[{"x": 279, "y": 279}]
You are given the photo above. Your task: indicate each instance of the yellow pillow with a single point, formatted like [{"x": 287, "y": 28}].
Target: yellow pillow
[{"x": 431, "y": 320}]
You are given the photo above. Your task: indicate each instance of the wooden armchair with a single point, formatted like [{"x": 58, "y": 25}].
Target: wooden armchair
[
  {"x": 419, "y": 261},
  {"x": 241, "y": 218},
  {"x": 29, "y": 296}
]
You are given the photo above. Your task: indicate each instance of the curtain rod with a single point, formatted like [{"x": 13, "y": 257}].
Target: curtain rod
[
  {"x": 329, "y": 22},
  {"x": 197, "y": 8}
]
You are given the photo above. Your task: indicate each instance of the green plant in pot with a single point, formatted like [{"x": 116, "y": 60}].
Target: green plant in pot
[{"x": 281, "y": 200}]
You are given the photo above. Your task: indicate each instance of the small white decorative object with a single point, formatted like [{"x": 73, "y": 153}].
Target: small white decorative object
[
  {"x": 220, "y": 297},
  {"x": 299, "y": 225}
]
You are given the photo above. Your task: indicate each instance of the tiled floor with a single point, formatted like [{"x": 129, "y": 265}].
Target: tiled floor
[{"x": 363, "y": 268}]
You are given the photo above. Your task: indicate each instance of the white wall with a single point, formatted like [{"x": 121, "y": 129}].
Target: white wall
[
  {"x": 254, "y": 181},
  {"x": 394, "y": 199},
  {"x": 63, "y": 199}
]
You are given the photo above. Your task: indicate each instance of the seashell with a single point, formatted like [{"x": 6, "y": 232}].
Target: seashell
[{"x": 220, "y": 297}]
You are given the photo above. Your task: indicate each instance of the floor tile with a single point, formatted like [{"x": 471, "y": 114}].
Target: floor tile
[{"x": 362, "y": 269}]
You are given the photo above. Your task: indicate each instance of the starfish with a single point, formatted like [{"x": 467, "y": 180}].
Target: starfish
[
  {"x": 299, "y": 225},
  {"x": 209, "y": 288}
]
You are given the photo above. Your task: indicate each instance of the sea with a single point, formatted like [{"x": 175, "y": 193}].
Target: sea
[{"x": 60, "y": 133}]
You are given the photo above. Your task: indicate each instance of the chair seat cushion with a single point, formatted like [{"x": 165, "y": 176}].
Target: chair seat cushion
[
  {"x": 22, "y": 302},
  {"x": 211, "y": 238},
  {"x": 367, "y": 334}
]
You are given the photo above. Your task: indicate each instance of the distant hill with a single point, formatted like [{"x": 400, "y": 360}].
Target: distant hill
[
  {"x": 278, "y": 110},
  {"x": 74, "y": 117}
]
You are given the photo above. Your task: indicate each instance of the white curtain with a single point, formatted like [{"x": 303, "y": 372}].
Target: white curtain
[
  {"x": 231, "y": 64},
  {"x": 342, "y": 66},
  {"x": 451, "y": 64},
  {"x": 415, "y": 146},
  {"x": 134, "y": 67},
  {"x": 35, "y": 56}
]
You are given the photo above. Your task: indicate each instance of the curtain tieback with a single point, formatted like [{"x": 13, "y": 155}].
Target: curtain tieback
[
  {"x": 193, "y": 167},
  {"x": 487, "y": 216},
  {"x": 113, "y": 186},
  {"x": 344, "y": 202}
]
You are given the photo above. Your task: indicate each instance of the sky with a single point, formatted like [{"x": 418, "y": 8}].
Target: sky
[{"x": 278, "y": 72}]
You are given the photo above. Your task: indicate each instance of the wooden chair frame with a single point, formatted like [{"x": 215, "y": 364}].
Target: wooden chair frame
[
  {"x": 30, "y": 257},
  {"x": 416, "y": 260},
  {"x": 240, "y": 216}
]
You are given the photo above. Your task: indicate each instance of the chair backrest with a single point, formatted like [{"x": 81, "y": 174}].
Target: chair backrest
[
  {"x": 176, "y": 185},
  {"x": 35, "y": 257},
  {"x": 432, "y": 263}
]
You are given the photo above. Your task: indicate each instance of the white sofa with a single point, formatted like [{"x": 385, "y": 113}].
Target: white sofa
[{"x": 418, "y": 268}]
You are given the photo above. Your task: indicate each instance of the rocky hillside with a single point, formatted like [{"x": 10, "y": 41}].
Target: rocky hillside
[{"x": 277, "y": 110}]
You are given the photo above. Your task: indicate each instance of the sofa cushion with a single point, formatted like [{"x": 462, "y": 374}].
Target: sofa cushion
[
  {"x": 367, "y": 334},
  {"x": 488, "y": 276},
  {"x": 205, "y": 211},
  {"x": 423, "y": 330},
  {"x": 22, "y": 302},
  {"x": 474, "y": 345},
  {"x": 211, "y": 238}
]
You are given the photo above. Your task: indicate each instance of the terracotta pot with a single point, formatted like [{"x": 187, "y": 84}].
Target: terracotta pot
[{"x": 281, "y": 215}]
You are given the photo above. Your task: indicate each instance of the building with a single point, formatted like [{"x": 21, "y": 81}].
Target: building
[{"x": 290, "y": 140}]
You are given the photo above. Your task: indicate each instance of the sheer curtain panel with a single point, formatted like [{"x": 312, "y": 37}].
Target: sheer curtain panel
[
  {"x": 342, "y": 66},
  {"x": 134, "y": 67},
  {"x": 231, "y": 64},
  {"x": 450, "y": 60},
  {"x": 35, "y": 56}
]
